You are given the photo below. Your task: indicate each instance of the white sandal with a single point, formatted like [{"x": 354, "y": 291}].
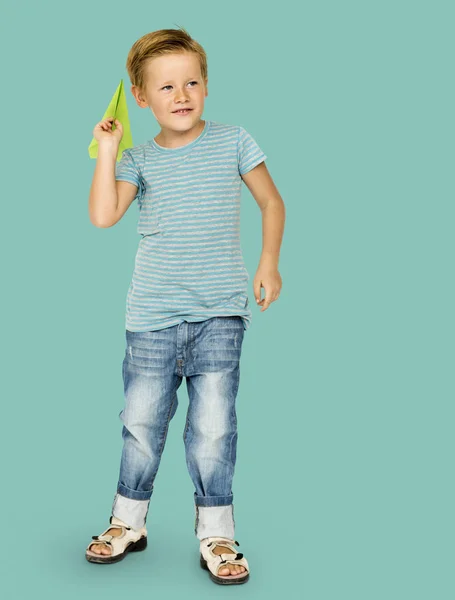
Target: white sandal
[
  {"x": 213, "y": 562},
  {"x": 130, "y": 540}
]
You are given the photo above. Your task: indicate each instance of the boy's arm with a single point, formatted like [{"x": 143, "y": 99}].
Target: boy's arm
[
  {"x": 264, "y": 191},
  {"x": 109, "y": 199},
  {"x": 261, "y": 185},
  {"x": 102, "y": 202},
  {"x": 126, "y": 193}
]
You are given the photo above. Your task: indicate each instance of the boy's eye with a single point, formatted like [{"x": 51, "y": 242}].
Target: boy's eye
[{"x": 166, "y": 86}]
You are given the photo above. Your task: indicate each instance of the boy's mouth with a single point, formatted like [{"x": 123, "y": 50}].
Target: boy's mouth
[{"x": 184, "y": 111}]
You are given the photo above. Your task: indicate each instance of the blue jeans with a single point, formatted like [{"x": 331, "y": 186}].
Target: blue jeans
[{"x": 207, "y": 353}]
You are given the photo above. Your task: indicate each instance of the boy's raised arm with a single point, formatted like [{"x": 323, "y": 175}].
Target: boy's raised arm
[
  {"x": 103, "y": 199},
  {"x": 103, "y": 193}
]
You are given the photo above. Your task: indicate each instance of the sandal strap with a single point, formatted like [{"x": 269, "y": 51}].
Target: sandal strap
[
  {"x": 115, "y": 521},
  {"x": 220, "y": 541},
  {"x": 233, "y": 561},
  {"x": 108, "y": 537},
  {"x": 98, "y": 541},
  {"x": 221, "y": 560},
  {"x": 104, "y": 538}
]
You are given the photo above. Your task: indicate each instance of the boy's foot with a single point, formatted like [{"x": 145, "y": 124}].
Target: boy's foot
[
  {"x": 228, "y": 569},
  {"x": 219, "y": 556},
  {"x": 104, "y": 548},
  {"x": 116, "y": 542}
]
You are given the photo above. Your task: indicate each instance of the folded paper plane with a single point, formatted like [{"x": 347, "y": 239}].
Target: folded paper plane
[{"x": 119, "y": 110}]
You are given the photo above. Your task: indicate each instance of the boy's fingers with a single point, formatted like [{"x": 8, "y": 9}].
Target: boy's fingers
[
  {"x": 267, "y": 300},
  {"x": 257, "y": 291}
]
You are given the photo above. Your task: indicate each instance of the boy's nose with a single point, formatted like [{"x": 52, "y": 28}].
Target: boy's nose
[{"x": 182, "y": 95}]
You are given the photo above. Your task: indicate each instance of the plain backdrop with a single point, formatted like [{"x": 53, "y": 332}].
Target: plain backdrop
[{"x": 344, "y": 479}]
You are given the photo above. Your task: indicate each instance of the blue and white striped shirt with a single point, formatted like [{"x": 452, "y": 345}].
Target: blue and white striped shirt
[{"x": 189, "y": 264}]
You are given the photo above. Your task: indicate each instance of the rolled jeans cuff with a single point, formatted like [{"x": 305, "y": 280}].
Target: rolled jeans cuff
[
  {"x": 214, "y": 521},
  {"x": 213, "y": 500},
  {"x": 211, "y": 521},
  {"x": 130, "y": 511}
]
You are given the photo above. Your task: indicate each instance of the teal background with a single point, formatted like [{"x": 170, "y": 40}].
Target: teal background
[{"x": 344, "y": 480}]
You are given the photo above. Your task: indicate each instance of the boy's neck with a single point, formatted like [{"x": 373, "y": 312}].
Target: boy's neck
[{"x": 175, "y": 139}]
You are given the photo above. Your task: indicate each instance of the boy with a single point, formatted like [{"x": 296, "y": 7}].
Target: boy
[{"x": 187, "y": 305}]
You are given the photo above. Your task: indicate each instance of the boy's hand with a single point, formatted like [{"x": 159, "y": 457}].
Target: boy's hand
[
  {"x": 269, "y": 278},
  {"x": 103, "y": 132}
]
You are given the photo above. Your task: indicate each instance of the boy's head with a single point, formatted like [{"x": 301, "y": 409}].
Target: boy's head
[{"x": 168, "y": 71}]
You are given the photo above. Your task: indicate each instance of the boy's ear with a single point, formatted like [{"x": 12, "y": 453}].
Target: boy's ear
[{"x": 138, "y": 97}]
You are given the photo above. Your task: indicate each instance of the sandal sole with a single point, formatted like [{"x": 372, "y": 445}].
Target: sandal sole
[
  {"x": 223, "y": 580},
  {"x": 138, "y": 546}
]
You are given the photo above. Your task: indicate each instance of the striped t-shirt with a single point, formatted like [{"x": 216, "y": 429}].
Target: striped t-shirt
[{"x": 189, "y": 264}]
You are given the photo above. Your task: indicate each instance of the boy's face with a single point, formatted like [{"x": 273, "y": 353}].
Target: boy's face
[{"x": 172, "y": 82}]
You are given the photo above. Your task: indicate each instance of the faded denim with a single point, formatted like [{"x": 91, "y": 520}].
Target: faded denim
[{"x": 208, "y": 354}]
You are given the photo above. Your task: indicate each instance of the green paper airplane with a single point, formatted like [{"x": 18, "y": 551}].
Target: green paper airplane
[{"x": 119, "y": 110}]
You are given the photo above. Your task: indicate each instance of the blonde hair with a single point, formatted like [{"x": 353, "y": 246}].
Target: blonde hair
[{"x": 159, "y": 43}]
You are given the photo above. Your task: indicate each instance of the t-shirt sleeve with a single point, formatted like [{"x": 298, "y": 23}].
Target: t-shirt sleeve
[
  {"x": 126, "y": 169},
  {"x": 249, "y": 153}
]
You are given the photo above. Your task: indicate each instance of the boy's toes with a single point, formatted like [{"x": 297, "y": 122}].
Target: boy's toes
[
  {"x": 231, "y": 570},
  {"x": 100, "y": 549}
]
